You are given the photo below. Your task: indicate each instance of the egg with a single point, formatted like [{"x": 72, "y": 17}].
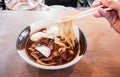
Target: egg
[{"x": 37, "y": 36}]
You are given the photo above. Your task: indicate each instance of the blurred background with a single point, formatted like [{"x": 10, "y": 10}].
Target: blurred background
[
  {"x": 66, "y": 3},
  {"x": 2, "y": 5}
]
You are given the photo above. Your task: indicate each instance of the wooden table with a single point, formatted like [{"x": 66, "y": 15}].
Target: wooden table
[{"x": 102, "y": 58}]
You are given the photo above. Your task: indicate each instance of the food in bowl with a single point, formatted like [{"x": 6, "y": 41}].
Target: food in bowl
[
  {"x": 49, "y": 46},
  {"x": 60, "y": 45}
]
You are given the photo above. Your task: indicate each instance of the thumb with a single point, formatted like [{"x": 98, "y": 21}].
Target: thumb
[{"x": 111, "y": 4}]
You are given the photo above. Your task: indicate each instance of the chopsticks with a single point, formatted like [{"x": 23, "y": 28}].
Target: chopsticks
[
  {"x": 83, "y": 14},
  {"x": 90, "y": 12}
]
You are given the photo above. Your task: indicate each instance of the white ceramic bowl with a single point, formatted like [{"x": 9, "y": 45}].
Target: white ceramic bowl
[{"x": 23, "y": 37}]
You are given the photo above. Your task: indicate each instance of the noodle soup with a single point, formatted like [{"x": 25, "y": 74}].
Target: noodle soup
[{"x": 51, "y": 46}]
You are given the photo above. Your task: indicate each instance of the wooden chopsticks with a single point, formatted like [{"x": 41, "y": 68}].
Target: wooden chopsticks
[{"x": 83, "y": 14}]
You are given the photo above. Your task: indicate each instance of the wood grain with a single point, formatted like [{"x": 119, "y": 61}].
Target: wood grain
[{"x": 102, "y": 58}]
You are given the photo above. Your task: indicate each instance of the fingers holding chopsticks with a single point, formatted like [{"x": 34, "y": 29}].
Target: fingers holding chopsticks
[
  {"x": 114, "y": 4},
  {"x": 113, "y": 16}
]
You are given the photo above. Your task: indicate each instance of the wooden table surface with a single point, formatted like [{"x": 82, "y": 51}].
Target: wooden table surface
[{"x": 102, "y": 57}]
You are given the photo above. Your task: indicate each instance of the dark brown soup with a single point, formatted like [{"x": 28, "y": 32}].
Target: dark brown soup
[{"x": 60, "y": 51}]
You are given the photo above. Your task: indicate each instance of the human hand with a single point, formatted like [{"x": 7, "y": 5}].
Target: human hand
[{"x": 113, "y": 16}]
